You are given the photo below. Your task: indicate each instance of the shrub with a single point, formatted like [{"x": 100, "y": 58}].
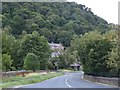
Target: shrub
[{"x": 31, "y": 62}]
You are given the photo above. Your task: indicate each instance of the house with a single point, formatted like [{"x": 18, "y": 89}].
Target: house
[
  {"x": 57, "y": 49},
  {"x": 75, "y": 66}
]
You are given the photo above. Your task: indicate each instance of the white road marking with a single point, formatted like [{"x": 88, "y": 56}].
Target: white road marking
[
  {"x": 82, "y": 72},
  {"x": 19, "y": 86},
  {"x": 66, "y": 81},
  {"x": 82, "y": 77},
  {"x": 16, "y": 87}
]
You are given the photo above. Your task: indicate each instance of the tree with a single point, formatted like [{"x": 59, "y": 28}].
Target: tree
[
  {"x": 64, "y": 37},
  {"x": 17, "y": 25},
  {"x": 54, "y": 62},
  {"x": 66, "y": 59},
  {"x": 7, "y": 43},
  {"x": 39, "y": 21},
  {"x": 58, "y": 22},
  {"x": 113, "y": 60},
  {"x": 33, "y": 27},
  {"x": 11, "y": 46},
  {"x": 62, "y": 63},
  {"x": 4, "y": 20},
  {"x": 47, "y": 33},
  {"x": 69, "y": 26},
  {"x": 34, "y": 43},
  {"x": 93, "y": 50},
  {"x": 31, "y": 62},
  {"x": 56, "y": 17},
  {"x": 6, "y": 62}
]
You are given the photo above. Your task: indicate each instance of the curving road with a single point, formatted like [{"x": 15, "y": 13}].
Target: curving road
[{"x": 69, "y": 80}]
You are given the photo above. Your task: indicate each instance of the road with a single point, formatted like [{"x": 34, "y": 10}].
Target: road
[{"x": 69, "y": 80}]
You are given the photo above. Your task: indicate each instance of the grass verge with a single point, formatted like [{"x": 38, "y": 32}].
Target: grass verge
[{"x": 28, "y": 79}]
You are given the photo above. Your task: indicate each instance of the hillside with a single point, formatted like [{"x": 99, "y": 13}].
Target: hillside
[{"x": 58, "y": 22}]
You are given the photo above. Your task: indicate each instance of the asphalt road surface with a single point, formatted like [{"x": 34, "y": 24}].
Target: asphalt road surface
[{"x": 69, "y": 80}]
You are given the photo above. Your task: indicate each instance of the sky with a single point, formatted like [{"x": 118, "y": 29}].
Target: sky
[{"x": 107, "y": 9}]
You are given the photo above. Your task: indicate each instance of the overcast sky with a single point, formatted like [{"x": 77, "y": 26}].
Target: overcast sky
[{"x": 107, "y": 9}]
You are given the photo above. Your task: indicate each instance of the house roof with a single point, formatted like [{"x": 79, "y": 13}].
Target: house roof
[
  {"x": 56, "y": 46},
  {"x": 75, "y": 64}
]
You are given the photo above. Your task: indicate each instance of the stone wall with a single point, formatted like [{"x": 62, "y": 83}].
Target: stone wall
[
  {"x": 13, "y": 73},
  {"x": 104, "y": 80},
  {"x": 21, "y": 73}
]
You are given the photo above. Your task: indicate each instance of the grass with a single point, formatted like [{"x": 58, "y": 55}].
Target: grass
[{"x": 28, "y": 79}]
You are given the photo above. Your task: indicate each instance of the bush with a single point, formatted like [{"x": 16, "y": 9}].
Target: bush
[
  {"x": 31, "y": 62},
  {"x": 6, "y": 62}
]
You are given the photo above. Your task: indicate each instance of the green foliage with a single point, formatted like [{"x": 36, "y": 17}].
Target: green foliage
[
  {"x": 97, "y": 52},
  {"x": 113, "y": 60},
  {"x": 28, "y": 43},
  {"x": 11, "y": 46},
  {"x": 47, "y": 33},
  {"x": 33, "y": 27},
  {"x": 31, "y": 62},
  {"x": 7, "y": 42},
  {"x": 58, "y": 18},
  {"x": 6, "y": 62},
  {"x": 64, "y": 37},
  {"x": 54, "y": 62},
  {"x": 66, "y": 59},
  {"x": 28, "y": 27},
  {"x": 34, "y": 43}
]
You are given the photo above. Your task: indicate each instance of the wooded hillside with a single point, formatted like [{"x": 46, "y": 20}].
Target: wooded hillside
[{"x": 58, "y": 22}]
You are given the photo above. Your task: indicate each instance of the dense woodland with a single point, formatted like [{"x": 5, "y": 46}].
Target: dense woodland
[
  {"x": 28, "y": 27},
  {"x": 58, "y": 22}
]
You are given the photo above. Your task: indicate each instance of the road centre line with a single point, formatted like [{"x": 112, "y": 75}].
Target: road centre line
[{"x": 66, "y": 81}]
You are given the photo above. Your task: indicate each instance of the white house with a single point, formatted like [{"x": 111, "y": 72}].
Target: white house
[{"x": 57, "y": 48}]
